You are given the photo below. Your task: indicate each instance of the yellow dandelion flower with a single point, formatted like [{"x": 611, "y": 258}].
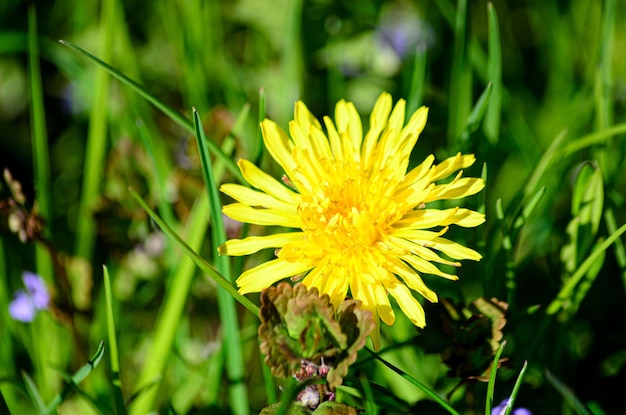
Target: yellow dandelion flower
[{"x": 363, "y": 221}]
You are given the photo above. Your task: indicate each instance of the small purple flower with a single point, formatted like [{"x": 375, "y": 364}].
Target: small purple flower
[
  {"x": 27, "y": 302},
  {"x": 499, "y": 410}
]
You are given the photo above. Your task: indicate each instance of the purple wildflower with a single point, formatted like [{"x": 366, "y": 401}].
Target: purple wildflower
[
  {"x": 499, "y": 410},
  {"x": 27, "y": 302}
]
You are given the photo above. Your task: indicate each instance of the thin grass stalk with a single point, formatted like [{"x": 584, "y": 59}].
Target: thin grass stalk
[
  {"x": 491, "y": 385},
  {"x": 235, "y": 367},
  {"x": 603, "y": 91},
  {"x": 507, "y": 246},
  {"x": 567, "y": 394},
  {"x": 620, "y": 253},
  {"x": 604, "y": 105},
  {"x": 591, "y": 139},
  {"x": 160, "y": 105},
  {"x": 494, "y": 74},
  {"x": 444, "y": 404},
  {"x": 96, "y": 141},
  {"x": 207, "y": 268},
  {"x": 291, "y": 61},
  {"x": 370, "y": 403},
  {"x": 47, "y": 379},
  {"x": 144, "y": 123},
  {"x": 41, "y": 156},
  {"x": 568, "y": 288},
  {"x": 460, "y": 94},
  {"x": 118, "y": 397},
  {"x": 511, "y": 401},
  {"x": 418, "y": 79},
  {"x": 169, "y": 316}
]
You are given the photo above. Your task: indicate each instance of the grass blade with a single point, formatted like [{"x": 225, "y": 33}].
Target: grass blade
[
  {"x": 76, "y": 378},
  {"x": 418, "y": 77},
  {"x": 567, "y": 394},
  {"x": 589, "y": 140},
  {"x": 171, "y": 113},
  {"x": 46, "y": 379},
  {"x": 41, "y": 158},
  {"x": 491, "y": 125},
  {"x": 118, "y": 397},
  {"x": 511, "y": 401},
  {"x": 226, "y": 303},
  {"x": 197, "y": 259},
  {"x": 33, "y": 394},
  {"x": 620, "y": 253},
  {"x": 171, "y": 312},
  {"x": 477, "y": 113},
  {"x": 568, "y": 288},
  {"x": 96, "y": 143},
  {"x": 507, "y": 246},
  {"x": 460, "y": 93},
  {"x": 417, "y": 383},
  {"x": 492, "y": 379}
]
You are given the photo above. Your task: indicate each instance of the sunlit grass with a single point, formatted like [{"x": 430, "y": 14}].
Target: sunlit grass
[{"x": 535, "y": 91}]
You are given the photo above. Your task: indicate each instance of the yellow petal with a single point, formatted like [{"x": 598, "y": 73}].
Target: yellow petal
[
  {"x": 452, "y": 164},
  {"x": 266, "y": 274},
  {"x": 251, "y": 197},
  {"x": 383, "y": 306},
  {"x": 278, "y": 144},
  {"x": 263, "y": 181},
  {"x": 411, "y": 132},
  {"x": 405, "y": 247},
  {"x": 303, "y": 116},
  {"x": 254, "y": 244},
  {"x": 454, "y": 250},
  {"x": 362, "y": 292},
  {"x": 319, "y": 143},
  {"x": 348, "y": 121},
  {"x": 418, "y": 235},
  {"x": 422, "y": 265},
  {"x": 430, "y": 218},
  {"x": 265, "y": 217},
  {"x": 457, "y": 189},
  {"x": 334, "y": 139},
  {"x": 418, "y": 173},
  {"x": 409, "y": 305},
  {"x": 378, "y": 121},
  {"x": 396, "y": 119},
  {"x": 413, "y": 280}
]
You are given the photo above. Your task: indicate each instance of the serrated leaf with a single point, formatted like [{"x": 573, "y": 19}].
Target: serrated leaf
[{"x": 300, "y": 327}]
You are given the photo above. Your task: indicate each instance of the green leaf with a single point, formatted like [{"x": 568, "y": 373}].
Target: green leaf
[
  {"x": 33, "y": 394},
  {"x": 511, "y": 401},
  {"x": 473, "y": 121},
  {"x": 76, "y": 378},
  {"x": 492, "y": 379},
  {"x": 235, "y": 366},
  {"x": 432, "y": 394},
  {"x": 171, "y": 113},
  {"x": 118, "y": 396}
]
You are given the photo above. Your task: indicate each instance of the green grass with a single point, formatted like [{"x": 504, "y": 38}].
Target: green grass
[{"x": 164, "y": 98}]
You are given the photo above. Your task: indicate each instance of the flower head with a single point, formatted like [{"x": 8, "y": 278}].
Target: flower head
[
  {"x": 363, "y": 221},
  {"x": 27, "y": 302}
]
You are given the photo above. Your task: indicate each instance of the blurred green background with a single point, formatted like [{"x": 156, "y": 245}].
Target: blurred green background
[{"x": 555, "y": 119}]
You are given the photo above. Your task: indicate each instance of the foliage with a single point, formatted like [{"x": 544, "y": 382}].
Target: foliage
[{"x": 534, "y": 89}]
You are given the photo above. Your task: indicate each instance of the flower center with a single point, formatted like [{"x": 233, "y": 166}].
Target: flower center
[{"x": 347, "y": 213}]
